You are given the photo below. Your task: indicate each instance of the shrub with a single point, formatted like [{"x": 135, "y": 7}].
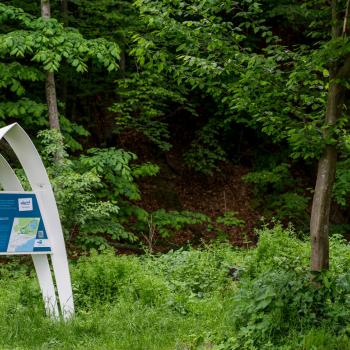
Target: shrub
[
  {"x": 280, "y": 195},
  {"x": 94, "y": 193},
  {"x": 278, "y": 249},
  {"x": 278, "y": 298}
]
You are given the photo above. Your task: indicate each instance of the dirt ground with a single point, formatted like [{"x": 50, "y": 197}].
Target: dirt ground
[{"x": 178, "y": 188}]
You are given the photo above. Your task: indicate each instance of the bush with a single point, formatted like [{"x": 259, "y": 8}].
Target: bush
[
  {"x": 278, "y": 249},
  {"x": 279, "y": 195},
  {"x": 94, "y": 192},
  {"x": 278, "y": 299}
]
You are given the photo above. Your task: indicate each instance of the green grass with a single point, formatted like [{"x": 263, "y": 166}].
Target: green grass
[
  {"x": 126, "y": 303},
  {"x": 186, "y": 300},
  {"x": 119, "y": 326}
]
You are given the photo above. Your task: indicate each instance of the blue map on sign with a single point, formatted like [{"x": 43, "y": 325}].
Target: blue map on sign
[{"x": 22, "y": 229}]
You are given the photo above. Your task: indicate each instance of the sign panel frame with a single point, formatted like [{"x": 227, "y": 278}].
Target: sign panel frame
[{"x": 38, "y": 179}]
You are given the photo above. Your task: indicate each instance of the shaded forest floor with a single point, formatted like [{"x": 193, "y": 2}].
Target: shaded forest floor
[
  {"x": 177, "y": 187},
  {"x": 211, "y": 196}
]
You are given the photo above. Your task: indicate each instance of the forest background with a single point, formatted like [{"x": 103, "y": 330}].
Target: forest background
[
  {"x": 185, "y": 131},
  {"x": 174, "y": 122}
]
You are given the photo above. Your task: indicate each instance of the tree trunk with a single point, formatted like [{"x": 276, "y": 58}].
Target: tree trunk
[
  {"x": 63, "y": 86},
  {"x": 45, "y": 9},
  {"x": 50, "y": 87},
  {"x": 64, "y": 11},
  {"x": 52, "y": 101},
  {"x": 319, "y": 223}
]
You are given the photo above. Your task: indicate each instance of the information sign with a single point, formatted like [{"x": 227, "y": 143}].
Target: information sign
[
  {"x": 22, "y": 228},
  {"x": 30, "y": 223}
]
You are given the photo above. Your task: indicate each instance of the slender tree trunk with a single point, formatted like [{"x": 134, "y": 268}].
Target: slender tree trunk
[
  {"x": 63, "y": 87},
  {"x": 52, "y": 101},
  {"x": 319, "y": 223},
  {"x": 64, "y": 11},
  {"x": 50, "y": 79},
  {"x": 45, "y": 9}
]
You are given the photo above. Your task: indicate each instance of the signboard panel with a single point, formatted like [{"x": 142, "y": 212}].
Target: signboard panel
[{"x": 22, "y": 229}]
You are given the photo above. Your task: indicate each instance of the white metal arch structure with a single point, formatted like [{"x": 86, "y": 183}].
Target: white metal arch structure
[{"x": 37, "y": 176}]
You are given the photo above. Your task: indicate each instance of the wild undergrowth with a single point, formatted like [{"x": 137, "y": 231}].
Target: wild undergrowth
[{"x": 218, "y": 297}]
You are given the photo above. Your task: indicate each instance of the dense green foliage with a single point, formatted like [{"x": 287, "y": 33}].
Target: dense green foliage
[
  {"x": 219, "y": 81},
  {"x": 217, "y": 297},
  {"x": 97, "y": 196}
]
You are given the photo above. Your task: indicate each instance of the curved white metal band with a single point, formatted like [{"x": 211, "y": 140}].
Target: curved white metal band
[
  {"x": 8, "y": 179},
  {"x": 35, "y": 171},
  {"x": 10, "y": 182}
]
